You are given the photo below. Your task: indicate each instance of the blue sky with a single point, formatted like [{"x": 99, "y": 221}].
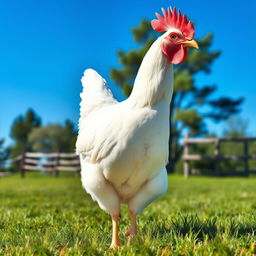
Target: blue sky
[{"x": 46, "y": 45}]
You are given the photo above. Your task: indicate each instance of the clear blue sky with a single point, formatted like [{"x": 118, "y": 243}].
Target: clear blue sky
[{"x": 46, "y": 45}]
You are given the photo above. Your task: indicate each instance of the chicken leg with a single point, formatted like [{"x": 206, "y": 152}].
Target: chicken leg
[
  {"x": 102, "y": 191},
  {"x": 115, "y": 238},
  {"x": 132, "y": 230}
]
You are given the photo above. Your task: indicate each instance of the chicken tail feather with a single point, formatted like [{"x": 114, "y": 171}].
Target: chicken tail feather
[{"x": 95, "y": 94}]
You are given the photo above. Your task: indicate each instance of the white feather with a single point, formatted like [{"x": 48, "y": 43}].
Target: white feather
[{"x": 95, "y": 94}]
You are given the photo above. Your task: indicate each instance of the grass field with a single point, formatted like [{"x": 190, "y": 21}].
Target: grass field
[{"x": 200, "y": 216}]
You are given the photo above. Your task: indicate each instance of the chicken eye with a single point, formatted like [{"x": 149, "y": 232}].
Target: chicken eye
[{"x": 173, "y": 36}]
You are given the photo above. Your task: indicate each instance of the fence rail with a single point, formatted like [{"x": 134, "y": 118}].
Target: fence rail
[
  {"x": 217, "y": 157},
  {"x": 47, "y": 162}
]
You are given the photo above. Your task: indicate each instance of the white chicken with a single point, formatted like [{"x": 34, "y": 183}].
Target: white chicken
[{"x": 123, "y": 146}]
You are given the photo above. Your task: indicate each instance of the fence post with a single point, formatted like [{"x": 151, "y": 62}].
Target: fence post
[
  {"x": 246, "y": 165},
  {"x": 217, "y": 157},
  {"x": 57, "y": 165},
  {"x": 185, "y": 153},
  {"x": 22, "y": 162}
]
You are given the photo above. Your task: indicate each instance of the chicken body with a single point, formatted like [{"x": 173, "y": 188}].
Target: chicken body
[{"x": 124, "y": 146}]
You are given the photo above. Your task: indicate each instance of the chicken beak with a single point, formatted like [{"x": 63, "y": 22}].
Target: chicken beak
[{"x": 190, "y": 43}]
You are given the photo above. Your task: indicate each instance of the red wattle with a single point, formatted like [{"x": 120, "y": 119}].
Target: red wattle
[{"x": 175, "y": 53}]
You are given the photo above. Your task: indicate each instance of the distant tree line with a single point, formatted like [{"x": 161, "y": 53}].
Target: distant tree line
[{"x": 29, "y": 134}]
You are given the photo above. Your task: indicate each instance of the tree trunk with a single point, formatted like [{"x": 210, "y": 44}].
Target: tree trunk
[{"x": 171, "y": 164}]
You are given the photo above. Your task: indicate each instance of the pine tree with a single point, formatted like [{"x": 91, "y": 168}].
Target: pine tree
[
  {"x": 3, "y": 153},
  {"x": 188, "y": 98},
  {"x": 20, "y": 130}
]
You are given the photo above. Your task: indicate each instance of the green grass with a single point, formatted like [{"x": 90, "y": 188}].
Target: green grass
[{"x": 200, "y": 216}]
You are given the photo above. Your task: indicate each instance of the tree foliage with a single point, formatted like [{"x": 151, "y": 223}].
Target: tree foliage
[
  {"x": 29, "y": 135},
  {"x": 20, "y": 130},
  {"x": 3, "y": 153},
  {"x": 53, "y": 138},
  {"x": 235, "y": 127},
  {"x": 1, "y": 148},
  {"x": 191, "y": 104}
]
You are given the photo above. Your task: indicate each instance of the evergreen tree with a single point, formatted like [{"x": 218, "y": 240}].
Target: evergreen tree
[
  {"x": 189, "y": 99},
  {"x": 3, "y": 153},
  {"x": 71, "y": 134},
  {"x": 20, "y": 130}
]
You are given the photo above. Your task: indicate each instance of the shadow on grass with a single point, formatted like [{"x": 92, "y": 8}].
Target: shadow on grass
[
  {"x": 241, "y": 229},
  {"x": 182, "y": 226},
  {"x": 192, "y": 226}
]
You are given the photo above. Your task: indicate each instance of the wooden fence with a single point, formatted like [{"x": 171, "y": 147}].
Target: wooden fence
[
  {"x": 217, "y": 157},
  {"x": 49, "y": 162},
  {"x": 45, "y": 162}
]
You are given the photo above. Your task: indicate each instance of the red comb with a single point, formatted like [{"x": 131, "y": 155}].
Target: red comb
[{"x": 172, "y": 19}]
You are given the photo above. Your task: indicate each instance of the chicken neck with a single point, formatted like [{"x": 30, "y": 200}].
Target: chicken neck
[{"x": 154, "y": 81}]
